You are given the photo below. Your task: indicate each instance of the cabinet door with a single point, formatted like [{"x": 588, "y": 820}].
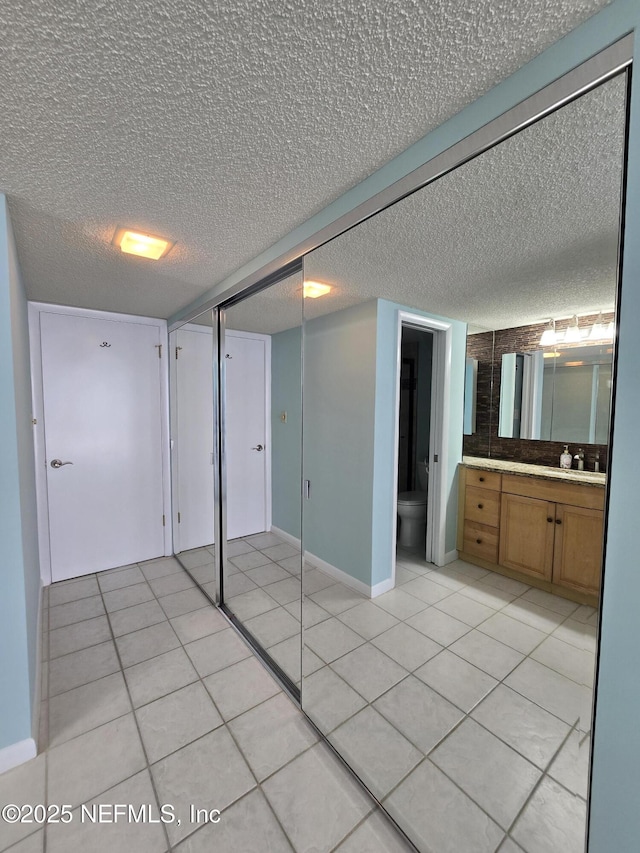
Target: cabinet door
[
  {"x": 577, "y": 560},
  {"x": 526, "y": 535}
]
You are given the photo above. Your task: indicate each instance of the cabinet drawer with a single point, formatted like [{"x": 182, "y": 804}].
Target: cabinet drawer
[
  {"x": 480, "y": 540},
  {"x": 484, "y": 479},
  {"x": 483, "y": 506}
]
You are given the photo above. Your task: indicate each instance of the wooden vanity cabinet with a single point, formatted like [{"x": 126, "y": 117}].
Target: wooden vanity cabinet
[
  {"x": 577, "y": 556},
  {"x": 527, "y": 532},
  {"x": 543, "y": 529}
]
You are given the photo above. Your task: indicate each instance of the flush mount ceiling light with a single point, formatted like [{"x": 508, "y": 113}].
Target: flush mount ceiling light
[
  {"x": 314, "y": 289},
  {"x": 143, "y": 245}
]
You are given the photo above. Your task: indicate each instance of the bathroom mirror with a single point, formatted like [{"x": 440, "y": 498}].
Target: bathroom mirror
[
  {"x": 423, "y": 670},
  {"x": 558, "y": 393}
]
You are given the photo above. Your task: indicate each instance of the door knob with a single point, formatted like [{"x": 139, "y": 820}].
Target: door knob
[
  {"x": 258, "y": 448},
  {"x": 58, "y": 463}
]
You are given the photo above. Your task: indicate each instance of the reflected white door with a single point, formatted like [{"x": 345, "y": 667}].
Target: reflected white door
[
  {"x": 193, "y": 448},
  {"x": 102, "y": 413},
  {"x": 248, "y": 376}
]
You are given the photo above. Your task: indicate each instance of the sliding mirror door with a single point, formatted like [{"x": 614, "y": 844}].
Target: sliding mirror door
[
  {"x": 458, "y": 690},
  {"x": 260, "y": 363},
  {"x": 191, "y": 354}
]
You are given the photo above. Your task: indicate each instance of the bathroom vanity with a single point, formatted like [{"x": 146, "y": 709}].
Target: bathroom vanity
[{"x": 540, "y": 525}]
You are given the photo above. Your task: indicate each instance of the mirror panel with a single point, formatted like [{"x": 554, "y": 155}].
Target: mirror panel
[
  {"x": 557, "y": 393},
  {"x": 261, "y": 358},
  {"x": 424, "y": 670},
  {"x": 191, "y": 353}
]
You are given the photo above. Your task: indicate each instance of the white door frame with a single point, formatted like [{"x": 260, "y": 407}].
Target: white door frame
[
  {"x": 439, "y": 432},
  {"x": 35, "y": 348},
  {"x": 174, "y": 456},
  {"x": 233, "y": 333}
]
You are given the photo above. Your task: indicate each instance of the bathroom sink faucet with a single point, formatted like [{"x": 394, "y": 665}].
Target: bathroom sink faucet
[{"x": 580, "y": 459}]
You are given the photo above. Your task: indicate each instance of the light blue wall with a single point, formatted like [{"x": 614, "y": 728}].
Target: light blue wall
[
  {"x": 286, "y": 445},
  {"x": 18, "y": 529},
  {"x": 615, "y": 816},
  {"x": 339, "y": 410}
]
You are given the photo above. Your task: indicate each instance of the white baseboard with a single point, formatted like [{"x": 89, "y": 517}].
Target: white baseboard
[
  {"x": 339, "y": 575},
  {"x": 449, "y": 557},
  {"x": 17, "y": 753},
  {"x": 292, "y": 540},
  {"x": 37, "y": 692},
  {"x": 334, "y": 571},
  {"x": 382, "y": 587}
]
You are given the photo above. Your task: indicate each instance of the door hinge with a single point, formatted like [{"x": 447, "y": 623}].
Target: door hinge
[
  {"x": 178, "y": 518},
  {"x": 159, "y": 348},
  {"x": 164, "y": 521},
  {"x": 177, "y": 351},
  {"x": 306, "y": 489},
  {"x": 435, "y": 457}
]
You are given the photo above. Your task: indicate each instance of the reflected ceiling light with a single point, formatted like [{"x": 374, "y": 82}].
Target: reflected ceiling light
[
  {"x": 597, "y": 332},
  {"x": 549, "y": 336},
  {"x": 143, "y": 245},
  {"x": 314, "y": 289},
  {"x": 601, "y": 331},
  {"x": 573, "y": 335}
]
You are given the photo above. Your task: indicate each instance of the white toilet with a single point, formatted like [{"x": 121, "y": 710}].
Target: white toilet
[{"x": 412, "y": 512}]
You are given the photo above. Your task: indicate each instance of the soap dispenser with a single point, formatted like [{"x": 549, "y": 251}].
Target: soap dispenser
[{"x": 565, "y": 458}]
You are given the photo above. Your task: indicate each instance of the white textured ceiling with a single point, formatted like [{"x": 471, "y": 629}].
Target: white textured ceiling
[
  {"x": 526, "y": 231},
  {"x": 223, "y": 125}
]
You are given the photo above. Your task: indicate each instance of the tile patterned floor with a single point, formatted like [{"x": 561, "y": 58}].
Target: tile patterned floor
[
  {"x": 461, "y": 697},
  {"x": 459, "y": 676},
  {"x": 151, "y": 698}
]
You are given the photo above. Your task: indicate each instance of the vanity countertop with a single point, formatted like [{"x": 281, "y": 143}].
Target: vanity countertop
[{"x": 587, "y": 478}]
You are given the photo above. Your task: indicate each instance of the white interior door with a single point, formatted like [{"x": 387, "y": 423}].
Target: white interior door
[
  {"x": 193, "y": 451},
  {"x": 247, "y": 365},
  {"x": 103, "y": 421}
]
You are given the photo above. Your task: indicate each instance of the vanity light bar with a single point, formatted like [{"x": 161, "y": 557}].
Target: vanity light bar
[{"x": 599, "y": 331}]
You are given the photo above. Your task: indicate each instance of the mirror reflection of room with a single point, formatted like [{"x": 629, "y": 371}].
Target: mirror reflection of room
[
  {"x": 475, "y": 645},
  {"x": 262, "y": 450}
]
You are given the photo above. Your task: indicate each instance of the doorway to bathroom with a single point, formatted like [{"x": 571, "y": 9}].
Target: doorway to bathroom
[{"x": 421, "y": 411}]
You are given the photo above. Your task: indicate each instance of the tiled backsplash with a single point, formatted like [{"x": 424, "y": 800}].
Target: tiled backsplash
[{"x": 488, "y": 348}]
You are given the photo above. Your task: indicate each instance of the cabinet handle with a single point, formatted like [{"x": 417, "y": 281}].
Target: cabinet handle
[
  {"x": 558, "y": 521},
  {"x": 481, "y": 479},
  {"x": 550, "y": 520},
  {"x": 480, "y": 506},
  {"x": 479, "y": 541}
]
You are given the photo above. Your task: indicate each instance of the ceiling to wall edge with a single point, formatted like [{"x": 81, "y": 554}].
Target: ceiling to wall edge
[{"x": 601, "y": 65}]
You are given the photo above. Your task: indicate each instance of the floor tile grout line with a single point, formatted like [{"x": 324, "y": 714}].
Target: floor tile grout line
[
  {"x": 548, "y": 633},
  {"x": 142, "y": 743},
  {"x": 543, "y": 776}
]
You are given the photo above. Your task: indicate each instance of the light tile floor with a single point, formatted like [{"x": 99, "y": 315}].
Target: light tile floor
[
  {"x": 457, "y": 676},
  {"x": 150, "y": 698},
  {"x": 461, "y": 698}
]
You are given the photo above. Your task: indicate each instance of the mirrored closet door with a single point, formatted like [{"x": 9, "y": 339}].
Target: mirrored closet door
[
  {"x": 460, "y": 690},
  {"x": 261, "y": 408}
]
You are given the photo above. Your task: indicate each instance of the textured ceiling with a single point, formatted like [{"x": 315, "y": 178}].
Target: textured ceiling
[
  {"x": 223, "y": 125},
  {"x": 526, "y": 231}
]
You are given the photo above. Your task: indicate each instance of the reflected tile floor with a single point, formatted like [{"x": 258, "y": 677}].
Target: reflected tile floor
[
  {"x": 460, "y": 681},
  {"x": 463, "y": 699},
  {"x": 150, "y": 698}
]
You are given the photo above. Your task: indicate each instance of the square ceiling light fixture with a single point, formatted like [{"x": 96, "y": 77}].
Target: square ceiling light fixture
[
  {"x": 143, "y": 245},
  {"x": 314, "y": 289}
]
